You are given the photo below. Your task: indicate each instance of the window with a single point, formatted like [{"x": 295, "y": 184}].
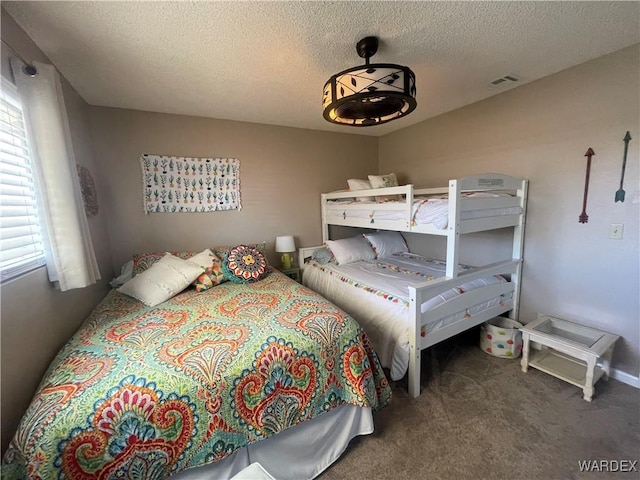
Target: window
[{"x": 21, "y": 246}]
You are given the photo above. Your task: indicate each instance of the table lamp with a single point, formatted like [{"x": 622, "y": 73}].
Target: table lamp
[{"x": 285, "y": 245}]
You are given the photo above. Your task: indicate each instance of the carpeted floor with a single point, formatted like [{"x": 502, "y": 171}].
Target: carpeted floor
[{"x": 481, "y": 417}]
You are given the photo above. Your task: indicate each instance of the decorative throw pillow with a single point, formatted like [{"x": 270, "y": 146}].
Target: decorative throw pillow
[
  {"x": 382, "y": 181},
  {"x": 357, "y": 184},
  {"x": 350, "y": 250},
  {"x": 213, "y": 274},
  {"x": 245, "y": 264},
  {"x": 205, "y": 258},
  {"x": 223, "y": 250},
  {"x": 385, "y": 244},
  {"x": 322, "y": 256},
  {"x": 164, "y": 279},
  {"x": 211, "y": 277},
  {"x": 143, "y": 261}
]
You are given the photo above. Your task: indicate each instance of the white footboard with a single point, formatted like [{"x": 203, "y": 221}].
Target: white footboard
[{"x": 418, "y": 295}]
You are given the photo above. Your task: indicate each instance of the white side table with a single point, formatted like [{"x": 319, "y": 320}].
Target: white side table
[{"x": 574, "y": 353}]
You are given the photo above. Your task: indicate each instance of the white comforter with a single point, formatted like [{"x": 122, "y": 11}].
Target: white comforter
[
  {"x": 376, "y": 294},
  {"x": 425, "y": 210}
]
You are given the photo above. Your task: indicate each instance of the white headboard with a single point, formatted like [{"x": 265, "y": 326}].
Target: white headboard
[{"x": 304, "y": 254}]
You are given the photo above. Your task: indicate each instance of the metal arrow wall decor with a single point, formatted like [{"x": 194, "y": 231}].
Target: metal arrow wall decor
[
  {"x": 584, "y": 218},
  {"x": 620, "y": 192}
]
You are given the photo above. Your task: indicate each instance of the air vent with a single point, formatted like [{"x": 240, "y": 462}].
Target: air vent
[{"x": 507, "y": 81}]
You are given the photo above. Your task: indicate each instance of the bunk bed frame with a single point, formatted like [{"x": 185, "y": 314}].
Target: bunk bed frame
[{"x": 332, "y": 214}]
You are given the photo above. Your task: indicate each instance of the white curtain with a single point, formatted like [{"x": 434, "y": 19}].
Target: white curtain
[{"x": 70, "y": 256}]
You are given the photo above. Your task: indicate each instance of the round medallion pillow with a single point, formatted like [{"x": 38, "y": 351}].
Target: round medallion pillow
[{"x": 245, "y": 264}]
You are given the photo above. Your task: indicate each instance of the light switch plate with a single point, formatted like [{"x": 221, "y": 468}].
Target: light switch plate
[{"x": 615, "y": 231}]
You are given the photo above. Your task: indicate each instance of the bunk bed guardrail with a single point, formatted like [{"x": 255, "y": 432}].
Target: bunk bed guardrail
[{"x": 418, "y": 340}]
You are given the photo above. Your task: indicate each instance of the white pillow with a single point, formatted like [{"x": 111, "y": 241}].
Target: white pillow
[
  {"x": 351, "y": 249},
  {"x": 126, "y": 274},
  {"x": 205, "y": 258},
  {"x": 164, "y": 279},
  {"x": 381, "y": 181},
  {"x": 385, "y": 244},
  {"x": 357, "y": 184}
]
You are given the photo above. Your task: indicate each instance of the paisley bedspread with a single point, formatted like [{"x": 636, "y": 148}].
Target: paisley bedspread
[{"x": 144, "y": 392}]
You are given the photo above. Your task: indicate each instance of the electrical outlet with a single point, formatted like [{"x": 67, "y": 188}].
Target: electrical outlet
[{"x": 615, "y": 231}]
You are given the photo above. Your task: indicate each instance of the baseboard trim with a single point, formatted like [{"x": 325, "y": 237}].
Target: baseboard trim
[{"x": 625, "y": 377}]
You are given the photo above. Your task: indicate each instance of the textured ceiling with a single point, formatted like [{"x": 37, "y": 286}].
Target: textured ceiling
[{"x": 267, "y": 62}]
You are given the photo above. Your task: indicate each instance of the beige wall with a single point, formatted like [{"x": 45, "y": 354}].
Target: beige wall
[
  {"x": 541, "y": 132},
  {"x": 282, "y": 173},
  {"x": 36, "y": 319}
]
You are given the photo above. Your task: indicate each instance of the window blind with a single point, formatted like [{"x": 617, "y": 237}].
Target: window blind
[{"x": 21, "y": 246}]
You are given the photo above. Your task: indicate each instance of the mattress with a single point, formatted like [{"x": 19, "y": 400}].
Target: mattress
[
  {"x": 376, "y": 294},
  {"x": 425, "y": 210}
]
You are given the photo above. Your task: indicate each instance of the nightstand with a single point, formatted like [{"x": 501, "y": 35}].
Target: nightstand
[{"x": 293, "y": 272}]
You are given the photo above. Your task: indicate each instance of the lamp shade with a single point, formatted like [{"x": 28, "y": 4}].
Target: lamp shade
[{"x": 285, "y": 243}]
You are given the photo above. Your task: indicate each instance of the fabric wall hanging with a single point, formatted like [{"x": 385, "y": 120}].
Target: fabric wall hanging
[{"x": 188, "y": 184}]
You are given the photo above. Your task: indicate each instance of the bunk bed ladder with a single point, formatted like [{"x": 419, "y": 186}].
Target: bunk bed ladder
[
  {"x": 409, "y": 207},
  {"x": 453, "y": 233},
  {"x": 518, "y": 248},
  {"x": 325, "y": 225},
  {"x": 416, "y": 298}
]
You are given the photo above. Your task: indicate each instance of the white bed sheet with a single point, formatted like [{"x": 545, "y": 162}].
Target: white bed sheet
[
  {"x": 299, "y": 453},
  {"x": 386, "y": 321},
  {"x": 425, "y": 210}
]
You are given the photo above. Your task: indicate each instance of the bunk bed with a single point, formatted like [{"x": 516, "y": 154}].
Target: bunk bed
[{"x": 476, "y": 203}]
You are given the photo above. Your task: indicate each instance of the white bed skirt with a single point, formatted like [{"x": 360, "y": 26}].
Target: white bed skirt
[{"x": 301, "y": 452}]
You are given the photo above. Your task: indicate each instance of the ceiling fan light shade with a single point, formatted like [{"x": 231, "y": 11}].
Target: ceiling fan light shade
[{"x": 369, "y": 95}]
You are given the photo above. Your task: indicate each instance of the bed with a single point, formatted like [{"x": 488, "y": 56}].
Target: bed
[
  {"x": 202, "y": 385},
  {"x": 402, "y": 319}
]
